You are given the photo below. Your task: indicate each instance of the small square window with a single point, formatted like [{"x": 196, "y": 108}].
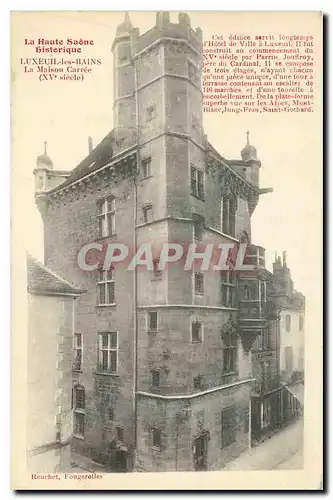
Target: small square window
[
  {"x": 198, "y": 283},
  {"x": 155, "y": 378},
  {"x": 196, "y": 331},
  {"x": 197, "y": 382},
  {"x": 152, "y": 320},
  {"x": 120, "y": 433},
  {"x": 147, "y": 213},
  {"x": 146, "y": 168},
  {"x": 199, "y": 223}
]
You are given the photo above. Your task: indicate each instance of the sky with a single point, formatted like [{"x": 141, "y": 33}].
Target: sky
[{"x": 65, "y": 113}]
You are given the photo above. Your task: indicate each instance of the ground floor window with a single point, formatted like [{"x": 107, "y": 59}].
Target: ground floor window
[{"x": 79, "y": 404}]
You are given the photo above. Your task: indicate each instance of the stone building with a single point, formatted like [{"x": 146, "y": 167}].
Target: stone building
[
  {"x": 163, "y": 368},
  {"x": 49, "y": 374},
  {"x": 292, "y": 332}
]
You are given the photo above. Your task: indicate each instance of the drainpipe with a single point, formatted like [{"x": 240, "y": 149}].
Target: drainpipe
[
  {"x": 250, "y": 423},
  {"x": 135, "y": 273}
]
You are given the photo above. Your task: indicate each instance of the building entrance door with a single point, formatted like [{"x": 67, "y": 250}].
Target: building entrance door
[{"x": 200, "y": 452}]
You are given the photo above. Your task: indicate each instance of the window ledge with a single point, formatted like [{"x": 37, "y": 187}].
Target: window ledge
[
  {"x": 77, "y": 370},
  {"x": 107, "y": 374},
  {"x": 152, "y": 331},
  {"x": 157, "y": 278},
  {"x": 104, "y": 238},
  {"x": 106, "y": 305},
  {"x": 201, "y": 294},
  {"x": 145, "y": 178},
  {"x": 196, "y": 341}
]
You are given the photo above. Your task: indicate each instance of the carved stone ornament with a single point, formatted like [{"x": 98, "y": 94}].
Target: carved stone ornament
[{"x": 229, "y": 329}]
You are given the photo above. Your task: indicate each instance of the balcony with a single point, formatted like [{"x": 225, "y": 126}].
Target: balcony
[
  {"x": 252, "y": 313},
  {"x": 255, "y": 256}
]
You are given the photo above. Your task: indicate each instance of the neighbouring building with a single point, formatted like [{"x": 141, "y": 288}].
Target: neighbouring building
[
  {"x": 49, "y": 374},
  {"x": 162, "y": 372},
  {"x": 292, "y": 331}
]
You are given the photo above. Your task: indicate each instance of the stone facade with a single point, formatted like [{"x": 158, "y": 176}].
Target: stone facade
[{"x": 172, "y": 403}]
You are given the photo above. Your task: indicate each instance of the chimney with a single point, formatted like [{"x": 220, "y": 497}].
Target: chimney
[
  {"x": 90, "y": 144},
  {"x": 284, "y": 257}
]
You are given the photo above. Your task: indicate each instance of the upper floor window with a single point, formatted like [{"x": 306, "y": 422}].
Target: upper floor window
[
  {"x": 146, "y": 168},
  {"x": 199, "y": 224},
  {"x": 196, "y": 331},
  {"x": 197, "y": 382},
  {"x": 198, "y": 283},
  {"x": 152, "y": 320},
  {"x": 288, "y": 357},
  {"x": 197, "y": 182},
  {"x": 229, "y": 338},
  {"x": 120, "y": 433},
  {"x": 150, "y": 112},
  {"x": 228, "y": 214},
  {"x": 106, "y": 288},
  {"x": 301, "y": 323},
  {"x": 288, "y": 322},
  {"x": 77, "y": 365},
  {"x": 147, "y": 213},
  {"x": 107, "y": 217},
  {"x": 79, "y": 397},
  {"x": 155, "y": 378},
  {"x": 250, "y": 292},
  {"x": 108, "y": 352},
  {"x": 263, "y": 291},
  {"x": 228, "y": 289}
]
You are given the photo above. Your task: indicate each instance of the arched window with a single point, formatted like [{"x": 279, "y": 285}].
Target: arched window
[{"x": 228, "y": 214}]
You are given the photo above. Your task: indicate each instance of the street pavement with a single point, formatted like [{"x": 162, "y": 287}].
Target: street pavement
[{"x": 283, "y": 450}]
